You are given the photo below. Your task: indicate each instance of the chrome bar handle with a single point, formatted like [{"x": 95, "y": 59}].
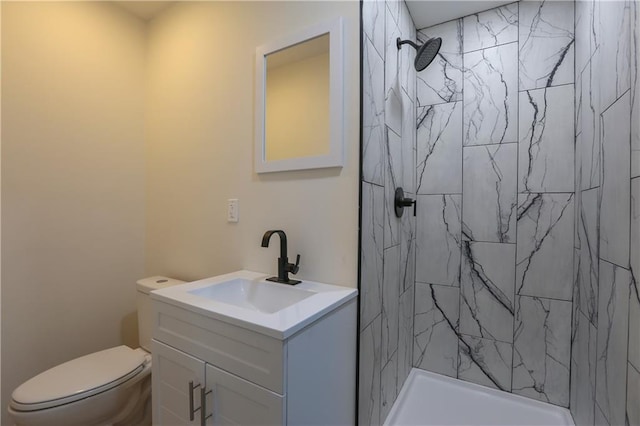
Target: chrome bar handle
[
  {"x": 192, "y": 410},
  {"x": 203, "y": 405}
]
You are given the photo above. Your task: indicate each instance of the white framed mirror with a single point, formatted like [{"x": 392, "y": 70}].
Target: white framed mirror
[{"x": 299, "y": 100}]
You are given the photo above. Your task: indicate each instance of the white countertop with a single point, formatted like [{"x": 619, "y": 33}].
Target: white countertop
[{"x": 281, "y": 324}]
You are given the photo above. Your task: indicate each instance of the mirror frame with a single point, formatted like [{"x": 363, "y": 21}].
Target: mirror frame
[{"x": 335, "y": 158}]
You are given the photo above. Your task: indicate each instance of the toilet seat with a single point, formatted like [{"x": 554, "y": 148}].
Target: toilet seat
[{"x": 79, "y": 378}]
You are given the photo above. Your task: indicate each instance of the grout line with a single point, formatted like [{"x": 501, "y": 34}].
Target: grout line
[
  {"x": 462, "y": 131},
  {"x": 614, "y": 102},
  {"x": 632, "y": 17},
  {"x": 488, "y": 339},
  {"x": 418, "y": 106},
  {"x": 372, "y": 183},
  {"x": 547, "y": 87},
  {"x": 626, "y": 268},
  {"x": 492, "y": 47},
  {"x": 546, "y": 192},
  {"x": 515, "y": 278},
  {"x": 488, "y": 144},
  {"x": 368, "y": 39},
  {"x": 369, "y": 323},
  {"x": 439, "y": 285},
  {"x": 438, "y": 193},
  {"x": 575, "y": 206},
  {"x": 544, "y": 298},
  {"x": 487, "y": 242}
]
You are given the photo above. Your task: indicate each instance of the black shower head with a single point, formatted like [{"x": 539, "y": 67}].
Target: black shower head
[{"x": 425, "y": 53}]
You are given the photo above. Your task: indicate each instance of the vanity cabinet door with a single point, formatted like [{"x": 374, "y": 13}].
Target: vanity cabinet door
[
  {"x": 177, "y": 379},
  {"x": 235, "y": 401}
]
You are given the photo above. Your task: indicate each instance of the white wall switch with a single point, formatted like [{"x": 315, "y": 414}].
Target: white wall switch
[{"x": 232, "y": 210}]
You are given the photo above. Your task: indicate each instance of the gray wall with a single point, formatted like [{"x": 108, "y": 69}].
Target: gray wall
[{"x": 605, "y": 362}]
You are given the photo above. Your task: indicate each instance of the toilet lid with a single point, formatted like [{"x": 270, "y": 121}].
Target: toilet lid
[{"x": 78, "y": 378}]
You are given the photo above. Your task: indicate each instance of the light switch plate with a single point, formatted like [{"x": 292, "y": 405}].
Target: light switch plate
[{"x": 232, "y": 210}]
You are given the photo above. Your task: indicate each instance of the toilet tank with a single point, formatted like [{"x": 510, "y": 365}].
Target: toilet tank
[{"x": 143, "y": 302}]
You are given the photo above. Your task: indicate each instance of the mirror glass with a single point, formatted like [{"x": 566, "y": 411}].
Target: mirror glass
[{"x": 299, "y": 100}]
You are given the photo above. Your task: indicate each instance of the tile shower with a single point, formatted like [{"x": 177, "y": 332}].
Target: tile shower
[{"x": 519, "y": 271}]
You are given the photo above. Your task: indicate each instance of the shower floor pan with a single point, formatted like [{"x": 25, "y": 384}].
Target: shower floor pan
[{"x": 431, "y": 399}]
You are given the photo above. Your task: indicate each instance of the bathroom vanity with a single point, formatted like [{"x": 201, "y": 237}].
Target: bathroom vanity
[{"x": 236, "y": 349}]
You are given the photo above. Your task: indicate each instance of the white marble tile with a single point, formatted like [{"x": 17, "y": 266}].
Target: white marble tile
[
  {"x": 392, "y": 88},
  {"x": 390, "y": 302},
  {"x": 546, "y": 43},
  {"x": 545, "y": 245},
  {"x": 393, "y": 179},
  {"x": 393, "y": 7},
  {"x": 575, "y": 307},
  {"x": 594, "y": 27},
  {"x": 583, "y": 373},
  {"x": 373, "y": 22},
  {"x": 633, "y": 395},
  {"x": 491, "y": 28},
  {"x": 489, "y": 193},
  {"x": 435, "y": 346},
  {"x": 634, "y": 293},
  {"x": 405, "y": 335},
  {"x": 373, "y": 146},
  {"x": 542, "y": 349},
  {"x": 439, "y": 149},
  {"x": 577, "y": 199},
  {"x": 388, "y": 387},
  {"x": 588, "y": 153},
  {"x": 614, "y": 50},
  {"x": 485, "y": 362},
  {"x": 441, "y": 81},
  {"x": 491, "y": 95},
  {"x": 408, "y": 248},
  {"x": 369, "y": 375},
  {"x": 600, "y": 419},
  {"x": 613, "y": 301},
  {"x": 408, "y": 146},
  {"x": 407, "y": 55},
  {"x": 408, "y": 251},
  {"x": 583, "y": 22},
  {"x": 371, "y": 253},
  {"x": 614, "y": 207},
  {"x": 573, "y": 404},
  {"x": 438, "y": 239},
  {"x": 635, "y": 88},
  {"x": 487, "y": 290},
  {"x": 393, "y": 109},
  {"x": 545, "y": 154},
  {"x": 577, "y": 110},
  {"x": 634, "y": 324},
  {"x": 587, "y": 235}
]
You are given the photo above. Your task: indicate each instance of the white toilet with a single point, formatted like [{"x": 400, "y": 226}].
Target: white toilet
[{"x": 110, "y": 387}]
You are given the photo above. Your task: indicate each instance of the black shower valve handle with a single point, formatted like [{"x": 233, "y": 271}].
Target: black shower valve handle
[{"x": 401, "y": 202}]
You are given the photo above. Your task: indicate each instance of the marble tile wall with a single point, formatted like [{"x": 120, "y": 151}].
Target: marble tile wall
[
  {"x": 387, "y": 256},
  {"x": 605, "y": 360},
  {"x": 495, "y": 222},
  {"x": 520, "y": 270}
]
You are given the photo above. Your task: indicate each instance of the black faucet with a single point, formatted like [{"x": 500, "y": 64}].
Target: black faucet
[{"x": 284, "y": 267}]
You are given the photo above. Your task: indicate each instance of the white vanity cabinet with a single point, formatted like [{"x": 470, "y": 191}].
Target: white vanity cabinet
[
  {"x": 248, "y": 377},
  {"x": 183, "y": 381}
]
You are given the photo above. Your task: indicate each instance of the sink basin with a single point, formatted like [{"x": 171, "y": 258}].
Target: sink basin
[
  {"x": 246, "y": 299},
  {"x": 257, "y": 296}
]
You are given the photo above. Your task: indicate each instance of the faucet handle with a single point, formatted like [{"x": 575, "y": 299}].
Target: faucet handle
[{"x": 295, "y": 268}]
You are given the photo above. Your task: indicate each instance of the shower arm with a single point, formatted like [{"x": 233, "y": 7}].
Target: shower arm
[{"x": 400, "y": 42}]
